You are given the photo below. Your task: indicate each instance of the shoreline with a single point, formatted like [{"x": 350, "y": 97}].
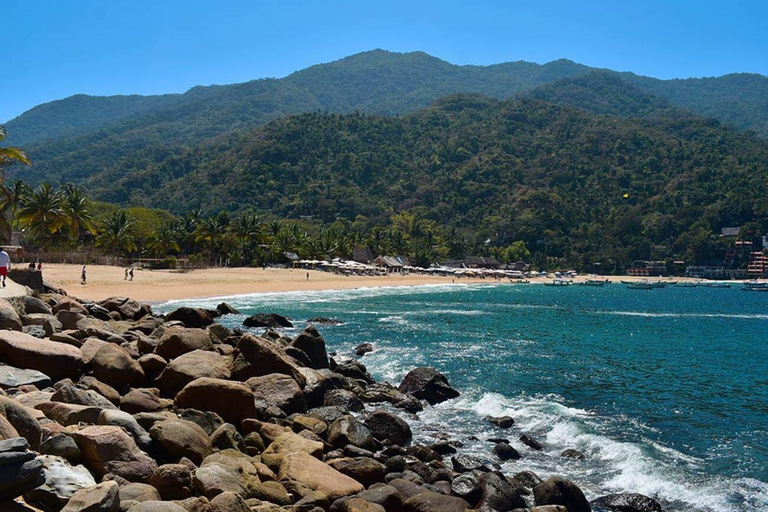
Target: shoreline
[{"x": 156, "y": 286}]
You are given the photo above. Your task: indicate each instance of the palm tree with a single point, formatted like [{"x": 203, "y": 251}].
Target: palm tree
[
  {"x": 76, "y": 208},
  {"x": 211, "y": 232},
  {"x": 115, "y": 234},
  {"x": 14, "y": 197},
  {"x": 43, "y": 210},
  {"x": 163, "y": 241},
  {"x": 11, "y": 155},
  {"x": 246, "y": 228}
]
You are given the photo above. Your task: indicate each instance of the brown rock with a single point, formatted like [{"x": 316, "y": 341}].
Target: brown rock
[
  {"x": 109, "y": 449},
  {"x": 306, "y": 470},
  {"x": 233, "y": 401},
  {"x": 288, "y": 442},
  {"x": 182, "y": 438},
  {"x": 277, "y": 390},
  {"x": 22, "y": 419},
  {"x": 173, "y": 481},
  {"x": 179, "y": 340},
  {"x": 144, "y": 400},
  {"x": 57, "y": 360},
  {"x": 257, "y": 356},
  {"x": 112, "y": 364},
  {"x": 100, "y": 498},
  {"x": 190, "y": 366}
]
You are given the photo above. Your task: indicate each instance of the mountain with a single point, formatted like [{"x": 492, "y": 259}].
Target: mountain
[
  {"x": 581, "y": 185},
  {"x": 80, "y": 138}
]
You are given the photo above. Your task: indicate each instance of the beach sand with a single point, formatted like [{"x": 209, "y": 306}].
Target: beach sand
[{"x": 161, "y": 285}]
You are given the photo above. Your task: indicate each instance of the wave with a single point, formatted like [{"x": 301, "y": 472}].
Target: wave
[{"x": 648, "y": 314}]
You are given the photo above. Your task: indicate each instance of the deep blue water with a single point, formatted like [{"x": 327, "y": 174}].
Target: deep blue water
[{"x": 666, "y": 390}]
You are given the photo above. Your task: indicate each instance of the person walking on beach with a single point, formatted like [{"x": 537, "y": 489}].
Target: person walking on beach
[
  {"x": 130, "y": 273},
  {"x": 5, "y": 265},
  {"x": 126, "y": 274},
  {"x": 307, "y": 276},
  {"x": 82, "y": 276}
]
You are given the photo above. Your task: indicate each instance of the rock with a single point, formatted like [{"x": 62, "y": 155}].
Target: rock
[
  {"x": 127, "y": 308},
  {"x": 228, "y": 502},
  {"x": 348, "y": 430},
  {"x": 207, "y": 420},
  {"x": 288, "y": 442},
  {"x": 444, "y": 447},
  {"x": 89, "y": 383},
  {"x": 363, "y": 348},
  {"x": 306, "y": 470},
  {"x": 34, "y": 305},
  {"x": 226, "y": 309},
  {"x": 11, "y": 377},
  {"x": 35, "y": 331},
  {"x": 465, "y": 463},
  {"x": 363, "y": 469},
  {"x": 179, "y": 340},
  {"x": 20, "y": 474},
  {"x": 257, "y": 356},
  {"x": 571, "y": 453},
  {"x": 502, "y": 421},
  {"x": 233, "y": 401},
  {"x": 191, "y": 317},
  {"x": 144, "y": 400},
  {"x": 314, "y": 425},
  {"x": 215, "y": 478},
  {"x": 321, "y": 320},
  {"x": 354, "y": 369},
  {"x": 67, "y": 393},
  {"x": 157, "y": 506},
  {"x": 505, "y": 451},
  {"x": 61, "y": 445},
  {"x": 531, "y": 442},
  {"x": 109, "y": 449},
  {"x": 127, "y": 422},
  {"x": 387, "y": 426},
  {"x": 429, "y": 501},
  {"x": 67, "y": 304},
  {"x": 359, "y": 505},
  {"x": 99, "y": 498},
  {"x": 182, "y": 438},
  {"x": 22, "y": 419},
  {"x": 559, "y": 491},
  {"x": 384, "y": 495},
  {"x": 528, "y": 478},
  {"x": 313, "y": 345},
  {"x": 385, "y": 392},
  {"x": 70, "y": 414},
  {"x": 190, "y": 366},
  {"x": 272, "y": 492},
  {"x": 271, "y": 320},
  {"x": 344, "y": 399},
  {"x": 277, "y": 390},
  {"x": 428, "y": 384},
  {"x": 54, "y": 359},
  {"x": 548, "y": 508},
  {"x": 138, "y": 492},
  {"x": 62, "y": 481},
  {"x": 467, "y": 486},
  {"x": 9, "y": 318},
  {"x": 498, "y": 494},
  {"x": 226, "y": 437},
  {"x": 173, "y": 481},
  {"x": 113, "y": 365},
  {"x": 629, "y": 502}
]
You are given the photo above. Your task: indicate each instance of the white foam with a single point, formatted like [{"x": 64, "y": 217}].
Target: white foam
[{"x": 683, "y": 315}]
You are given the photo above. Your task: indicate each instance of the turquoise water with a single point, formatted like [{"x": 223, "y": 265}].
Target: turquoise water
[{"x": 666, "y": 390}]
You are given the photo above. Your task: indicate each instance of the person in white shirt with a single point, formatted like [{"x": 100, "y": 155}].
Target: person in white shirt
[{"x": 5, "y": 265}]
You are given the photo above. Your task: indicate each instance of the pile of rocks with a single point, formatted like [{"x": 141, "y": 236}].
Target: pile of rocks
[{"x": 109, "y": 407}]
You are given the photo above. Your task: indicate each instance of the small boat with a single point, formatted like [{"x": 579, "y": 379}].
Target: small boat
[
  {"x": 558, "y": 282},
  {"x": 641, "y": 285},
  {"x": 659, "y": 284},
  {"x": 719, "y": 284},
  {"x": 755, "y": 289},
  {"x": 628, "y": 282},
  {"x": 595, "y": 282},
  {"x": 519, "y": 281},
  {"x": 687, "y": 284}
]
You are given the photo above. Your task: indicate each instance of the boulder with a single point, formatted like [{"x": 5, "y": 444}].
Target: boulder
[
  {"x": 20, "y": 471},
  {"x": 127, "y": 308},
  {"x": 363, "y": 348},
  {"x": 9, "y": 317},
  {"x": 505, "y": 451},
  {"x": 531, "y": 443},
  {"x": 302, "y": 468},
  {"x": 384, "y": 495},
  {"x": 190, "y": 366},
  {"x": 12, "y": 377},
  {"x": 270, "y": 320},
  {"x": 129, "y": 423},
  {"x": 60, "y": 445},
  {"x": 109, "y": 449},
  {"x": 157, "y": 506},
  {"x": 33, "y": 305},
  {"x": 313, "y": 345},
  {"x": 227, "y": 437},
  {"x": 288, "y": 442},
  {"x": 426, "y": 383},
  {"x": 215, "y": 478},
  {"x": 191, "y": 317},
  {"x": 559, "y": 491},
  {"x": 99, "y": 498},
  {"x": 429, "y": 501},
  {"x": 385, "y": 392},
  {"x": 343, "y": 398},
  {"x": 22, "y": 419},
  {"x": 386, "y": 426},
  {"x": 207, "y": 420},
  {"x": 365, "y": 470},
  {"x": 467, "y": 487},
  {"x": 226, "y": 309},
  {"x": 233, "y": 401},
  {"x": 173, "y": 481},
  {"x": 179, "y": 340},
  {"x": 571, "y": 453},
  {"x": 628, "y": 502},
  {"x": 67, "y": 393},
  {"x": 502, "y": 421},
  {"x": 92, "y": 384},
  {"x": 114, "y": 365},
  {"x": 348, "y": 430},
  {"x": 62, "y": 481},
  {"x": 257, "y": 356},
  {"x": 57, "y": 360},
  {"x": 70, "y": 414},
  {"x": 144, "y": 400},
  {"x": 227, "y": 502},
  {"x": 138, "y": 492},
  {"x": 498, "y": 494},
  {"x": 277, "y": 390},
  {"x": 182, "y": 438}
]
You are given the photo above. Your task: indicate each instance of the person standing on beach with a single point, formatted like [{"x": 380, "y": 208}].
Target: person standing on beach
[
  {"x": 126, "y": 274},
  {"x": 130, "y": 273},
  {"x": 307, "y": 276},
  {"x": 5, "y": 265},
  {"x": 82, "y": 276}
]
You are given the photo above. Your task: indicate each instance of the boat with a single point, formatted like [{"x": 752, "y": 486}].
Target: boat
[
  {"x": 558, "y": 282},
  {"x": 719, "y": 284},
  {"x": 755, "y": 286},
  {"x": 594, "y": 282},
  {"x": 628, "y": 282},
  {"x": 658, "y": 284},
  {"x": 687, "y": 284},
  {"x": 641, "y": 285}
]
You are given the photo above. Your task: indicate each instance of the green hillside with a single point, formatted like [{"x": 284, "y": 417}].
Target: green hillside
[{"x": 569, "y": 183}]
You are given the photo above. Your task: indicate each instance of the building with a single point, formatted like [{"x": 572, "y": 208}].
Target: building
[
  {"x": 362, "y": 255},
  {"x": 481, "y": 262},
  {"x": 730, "y": 232},
  {"x": 758, "y": 265},
  {"x": 390, "y": 263},
  {"x": 647, "y": 268}
]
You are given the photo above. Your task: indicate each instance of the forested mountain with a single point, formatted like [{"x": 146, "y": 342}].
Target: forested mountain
[
  {"x": 79, "y": 137},
  {"x": 567, "y": 182}
]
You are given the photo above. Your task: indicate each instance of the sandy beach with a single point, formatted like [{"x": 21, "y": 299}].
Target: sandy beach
[{"x": 161, "y": 285}]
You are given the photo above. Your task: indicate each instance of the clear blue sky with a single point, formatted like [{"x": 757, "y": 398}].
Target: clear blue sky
[{"x": 56, "y": 48}]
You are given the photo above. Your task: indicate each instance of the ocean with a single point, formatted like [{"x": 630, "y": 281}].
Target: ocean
[{"x": 665, "y": 391}]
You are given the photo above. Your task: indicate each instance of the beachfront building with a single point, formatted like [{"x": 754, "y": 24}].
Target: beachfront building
[
  {"x": 481, "y": 262},
  {"x": 647, "y": 268},
  {"x": 362, "y": 255},
  {"x": 389, "y": 263},
  {"x": 758, "y": 265}
]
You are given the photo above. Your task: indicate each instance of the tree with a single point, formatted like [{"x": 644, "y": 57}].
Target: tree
[
  {"x": 11, "y": 155},
  {"x": 163, "y": 241},
  {"x": 77, "y": 211},
  {"x": 115, "y": 233},
  {"x": 43, "y": 210}
]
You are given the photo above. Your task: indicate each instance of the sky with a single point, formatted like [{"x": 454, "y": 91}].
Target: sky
[{"x": 56, "y": 48}]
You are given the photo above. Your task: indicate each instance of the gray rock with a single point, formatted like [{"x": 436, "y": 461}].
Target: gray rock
[
  {"x": 20, "y": 477},
  {"x": 129, "y": 423},
  {"x": 426, "y": 383},
  {"x": 103, "y": 497},
  {"x": 11, "y": 377},
  {"x": 386, "y": 426},
  {"x": 559, "y": 491},
  {"x": 62, "y": 481},
  {"x": 61, "y": 445},
  {"x": 629, "y": 502}
]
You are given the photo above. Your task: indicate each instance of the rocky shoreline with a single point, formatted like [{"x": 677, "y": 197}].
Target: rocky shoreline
[{"x": 109, "y": 407}]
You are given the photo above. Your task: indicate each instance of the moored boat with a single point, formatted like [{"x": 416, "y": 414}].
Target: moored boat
[
  {"x": 719, "y": 284},
  {"x": 641, "y": 285},
  {"x": 558, "y": 282},
  {"x": 687, "y": 284}
]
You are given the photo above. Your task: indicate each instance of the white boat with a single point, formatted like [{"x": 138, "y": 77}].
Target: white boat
[{"x": 558, "y": 282}]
